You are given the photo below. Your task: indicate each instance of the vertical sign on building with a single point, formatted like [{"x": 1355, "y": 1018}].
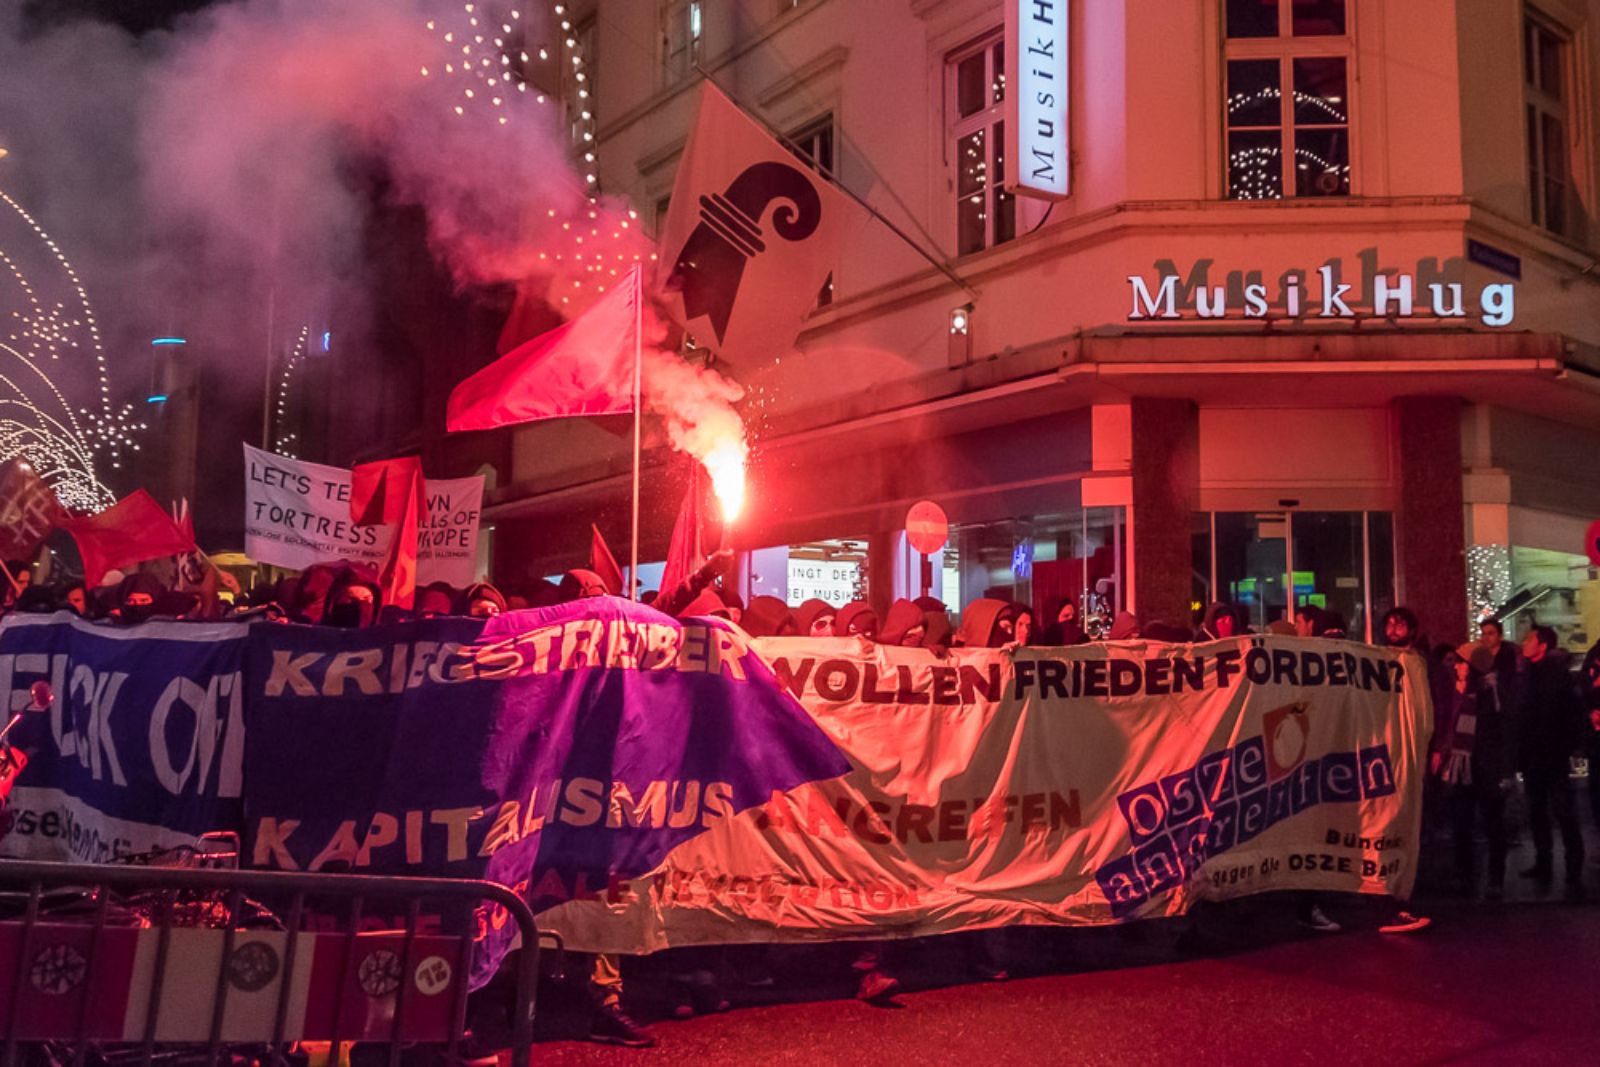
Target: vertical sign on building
[{"x": 1036, "y": 98}]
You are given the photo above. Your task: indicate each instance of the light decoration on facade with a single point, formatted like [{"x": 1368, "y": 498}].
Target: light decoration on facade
[
  {"x": 285, "y": 441},
  {"x": 500, "y": 57},
  {"x": 50, "y": 331},
  {"x": 1489, "y": 585},
  {"x": 1254, "y": 171},
  {"x": 495, "y": 57}
]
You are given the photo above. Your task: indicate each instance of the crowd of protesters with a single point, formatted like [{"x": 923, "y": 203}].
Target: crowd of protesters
[{"x": 1503, "y": 711}]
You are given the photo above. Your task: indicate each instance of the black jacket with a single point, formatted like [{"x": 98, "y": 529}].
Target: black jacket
[{"x": 1551, "y": 719}]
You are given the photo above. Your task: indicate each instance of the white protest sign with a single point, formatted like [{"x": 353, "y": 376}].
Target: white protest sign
[{"x": 297, "y": 513}]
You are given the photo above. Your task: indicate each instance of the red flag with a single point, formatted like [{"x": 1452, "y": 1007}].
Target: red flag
[
  {"x": 29, "y": 510},
  {"x": 387, "y": 492},
  {"x": 132, "y": 530},
  {"x": 603, "y": 563},
  {"x": 583, "y": 367},
  {"x": 683, "y": 554}
]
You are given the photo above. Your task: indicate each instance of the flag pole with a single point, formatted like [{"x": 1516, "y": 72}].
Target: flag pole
[{"x": 638, "y": 370}]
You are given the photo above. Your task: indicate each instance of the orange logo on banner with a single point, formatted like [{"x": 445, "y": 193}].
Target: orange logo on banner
[{"x": 926, "y": 527}]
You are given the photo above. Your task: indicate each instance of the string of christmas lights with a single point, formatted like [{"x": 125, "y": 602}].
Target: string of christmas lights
[
  {"x": 37, "y": 420},
  {"x": 284, "y": 440}
]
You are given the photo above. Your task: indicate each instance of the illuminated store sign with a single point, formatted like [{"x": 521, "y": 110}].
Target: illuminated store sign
[
  {"x": 1428, "y": 292},
  {"x": 1036, "y": 101}
]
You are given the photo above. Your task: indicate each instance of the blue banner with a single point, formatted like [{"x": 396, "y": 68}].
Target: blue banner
[
  {"x": 559, "y": 751},
  {"x": 141, "y": 745}
]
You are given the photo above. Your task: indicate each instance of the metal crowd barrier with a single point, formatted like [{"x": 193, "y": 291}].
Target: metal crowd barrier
[{"x": 133, "y": 988}]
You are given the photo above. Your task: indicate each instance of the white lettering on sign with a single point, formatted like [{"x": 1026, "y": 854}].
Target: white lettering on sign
[
  {"x": 1432, "y": 290},
  {"x": 1036, "y": 98},
  {"x": 831, "y": 580}
]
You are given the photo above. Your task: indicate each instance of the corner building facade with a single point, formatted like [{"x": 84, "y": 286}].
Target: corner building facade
[{"x": 1316, "y": 322}]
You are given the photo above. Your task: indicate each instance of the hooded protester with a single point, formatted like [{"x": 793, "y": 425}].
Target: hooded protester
[
  {"x": 767, "y": 616},
  {"x": 815, "y": 618},
  {"x": 481, "y": 601},
  {"x": 435, "y": 598},
  {"x": 354, "y": 601},
  {"x": 136, "y": 598},
  {"x": 987, "y": 623},
  {"x": 707, "y": 604},
  {"x": 673, "y": 601},
  {"x": 734, "y": 604},
  {"x": 307, "y": 600},
  {"x": 1064, "y": 628},
  {"x": 856, "y": 619},
  {"x": 1125, "y": 627},
  {"x": 1222, "y": 621},
  {"x": 579, "y": 584},
  {"x": 76, "y": 599},
  {"x": 906, "y": 624}
]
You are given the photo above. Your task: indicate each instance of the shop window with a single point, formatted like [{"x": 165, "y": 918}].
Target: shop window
[
  {"x": 986, "y": 215},
  {"x": 1079, "y": 556},
  {"x": 813, "y": 143},
  {"x": 1287, "y": 99},
  {"x": 682, "y": 37},
  {"x": 832, "y": 570},
  {"x": 1545, "y": 51},
  {"x": 1268, "y": 562},
  {"x": 1555, "y": 589}
]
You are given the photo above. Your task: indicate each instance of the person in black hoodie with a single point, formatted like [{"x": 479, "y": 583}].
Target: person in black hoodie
[
  {"x": 1064, "y": 628},
  {"x": 481, "y": 601},
  {"x": 354, "y": 601},
  {"x": 1551, "y": 723}
]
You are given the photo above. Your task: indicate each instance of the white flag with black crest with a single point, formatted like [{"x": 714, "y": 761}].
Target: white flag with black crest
[{"x": 751, "y": 235}]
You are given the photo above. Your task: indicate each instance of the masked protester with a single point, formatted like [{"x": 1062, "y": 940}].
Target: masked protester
[
  {"x": 579, "y": 584},
  {"x": 734, "y": 604},
  {"x": 987, "y": 623},
  {"x": 435, "y": 599},
  {"x": 673, "y": 601},
  {"x": 1064, "y": 628},
  {"x": 906, "y": 624},
  {"x": 856, "y": 619},
  {"x": 767, "y": 616},
  {"x": 1222, "y": 621},
  {"x": 354, "y": 602},
  {"x": 481, "y": 601},
  {"x": 136, "y": 598},
  {"x": 815, "y": 618}
]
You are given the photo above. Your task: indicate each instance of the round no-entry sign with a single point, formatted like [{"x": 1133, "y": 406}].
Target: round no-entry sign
[
  {"x": 1591, "y": 543},
  {"x": 926, "y": 527}
]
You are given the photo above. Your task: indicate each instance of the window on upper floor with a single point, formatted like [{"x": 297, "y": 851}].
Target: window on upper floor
[
  {"x": 682, "y": 37},
  {"x": 1287, "y": 99},
  {"x": 1546, "y": 52},
  {"x": 975, "y": 92},
  {"x": 813, "y": 143}
]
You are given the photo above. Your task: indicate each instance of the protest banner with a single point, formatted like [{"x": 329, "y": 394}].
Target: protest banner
[
  {"x": 297, "y": 513},
  {"x": 648, "y": 782},
  {"x": 142, "y": 744}
]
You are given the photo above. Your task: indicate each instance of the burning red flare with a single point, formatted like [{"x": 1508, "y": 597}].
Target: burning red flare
[{"x": 725, "y": 463}]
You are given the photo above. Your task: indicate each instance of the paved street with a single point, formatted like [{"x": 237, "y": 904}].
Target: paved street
[{"x": 1517, "y": 983}]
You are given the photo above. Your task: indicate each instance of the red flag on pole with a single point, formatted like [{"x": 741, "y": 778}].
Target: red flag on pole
[
  {"x": 684, "y": 556},
  {"x": 603, "y": 563},
  {"x": 132, "y": 530},
  {"x": 29, "y": 510},
  {"x": 385, "y": 493},
  {"x": 583, "y": 367}
]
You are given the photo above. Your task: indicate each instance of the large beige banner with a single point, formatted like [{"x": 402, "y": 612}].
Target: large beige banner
[{"x": 1092, "y": 785}]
